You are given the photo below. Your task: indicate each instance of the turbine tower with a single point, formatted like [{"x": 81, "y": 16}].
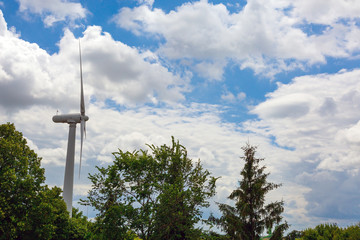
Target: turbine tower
[{"x": 72, "y": 120}]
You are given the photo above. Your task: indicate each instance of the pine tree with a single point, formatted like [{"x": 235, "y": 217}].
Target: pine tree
[{"x": 250, "y": 216}]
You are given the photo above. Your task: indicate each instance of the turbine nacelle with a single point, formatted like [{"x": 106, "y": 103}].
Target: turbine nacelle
[{"x": 70, "y": 118}]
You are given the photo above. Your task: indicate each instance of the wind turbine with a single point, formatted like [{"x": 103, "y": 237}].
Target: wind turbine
[{"x": 72, "y": 120}]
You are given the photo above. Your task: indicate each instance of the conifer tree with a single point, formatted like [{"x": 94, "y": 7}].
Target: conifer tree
[{"x": 248, "y": 219}]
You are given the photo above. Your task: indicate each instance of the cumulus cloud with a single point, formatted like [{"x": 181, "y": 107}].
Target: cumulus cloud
[
  {"x": 327, "y": 111},
  {"x": 122, "y": 73},
  {"x": 288, "y": 106},
  {"x": 24, "y": 70},
  {"x": 266, "y": 36},
  {"x": 320, "y": 122},
  {"x": 112, "y": 70},
  {"x": 325, "y": 12},
  {"x": 53, "y": 11}
]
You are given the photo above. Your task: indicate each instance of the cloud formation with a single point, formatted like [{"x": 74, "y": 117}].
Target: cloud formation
[
  {"x": 53, "y": 11},
  {"x": 112, "y": 70},
  {"x": 327, "y": 111},
  {"x": 267, "y": 36},
  {"x": 318, "y": 118}
]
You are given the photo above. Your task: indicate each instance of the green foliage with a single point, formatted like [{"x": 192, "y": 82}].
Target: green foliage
[
  {"x": 210, "y": 235},
  {"x": 293, "y": 235},
  {"x": 250, "y": 216},
  {"x": 21, "y": 178},
  {"x": 80, "y": 227},
  {"x": 29, "y": 209},
  {"x": 331, "y": 232},
  {"x": 322, "y": 232},
  {"x": 47, "y": 218},
  {"x": 351, "y": 233},
  {"x": 156, "y": 196}
]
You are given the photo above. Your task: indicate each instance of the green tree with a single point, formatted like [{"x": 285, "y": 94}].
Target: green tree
[
  {"x": 250, "y": 216},
  {"x": 293, "y": 235},
  {"x": 310, "y": 234},
  {"x": 157, "y": 195},
  {"x": 47, "y": 217},
  {"x": 210, "y": 235},
  {"x": 80, "y": 227},
  {"x": 350, "y": 233},
  {"x": 20, "y": 179},
  {"x": 331, "y": 232},
  {"x": 327, "y": 231},
  {"x": 28, "y": 208},
  {"x": 323, "y": 232}
]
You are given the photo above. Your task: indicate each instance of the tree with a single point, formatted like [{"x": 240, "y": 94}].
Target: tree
[
  {"x": 20, "y": 178},
  {"x": 157, "y": 195},
  {"x": 29, "y": 209},
  {"x": 210, "y": 235},
  {"x": 250, "y": 216},
  {"x": 330, "y": 231},
  {"x": 80, "y": 226},
  {"x": 293, "y": 235},
  {"x": 350, "y": 233}
]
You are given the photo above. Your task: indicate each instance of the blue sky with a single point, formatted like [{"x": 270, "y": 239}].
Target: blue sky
[{"x": 282, "y": 75}]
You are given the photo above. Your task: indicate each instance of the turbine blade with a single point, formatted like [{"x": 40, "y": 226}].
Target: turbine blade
[
  {"x": 82, "y": 103},
  {"x": 82, "y": 126},
  {"x": 85, "y": 129}
]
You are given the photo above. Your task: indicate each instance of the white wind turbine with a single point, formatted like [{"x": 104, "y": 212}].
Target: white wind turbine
[{"x": 72, "y": 120}]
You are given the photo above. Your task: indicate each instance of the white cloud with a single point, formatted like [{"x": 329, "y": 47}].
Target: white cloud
[
  {"x": 25, "y": 77},
  {"x": 352, "y": 134},
  {"x": 288, "y": 106},
  {"x": 53, "y": 11},
  {"x": 210, "y": 71},
  {"x": 112, "y": 70},
  {"x": 317, "y": 115},
  {"x": 325, "y": 11},
  {"x": 230, "y": 97},
  {"x": 266, "y": 36},
  {"x": 122, "y": 73}
]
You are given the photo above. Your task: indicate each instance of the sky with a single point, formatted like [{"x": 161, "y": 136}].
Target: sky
[{"x": 282, "y": 75}]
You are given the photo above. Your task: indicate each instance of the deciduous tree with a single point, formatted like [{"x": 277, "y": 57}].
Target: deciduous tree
[
  {"x": 157, "y": 195},
  {"x": 29, "y": 209}
]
